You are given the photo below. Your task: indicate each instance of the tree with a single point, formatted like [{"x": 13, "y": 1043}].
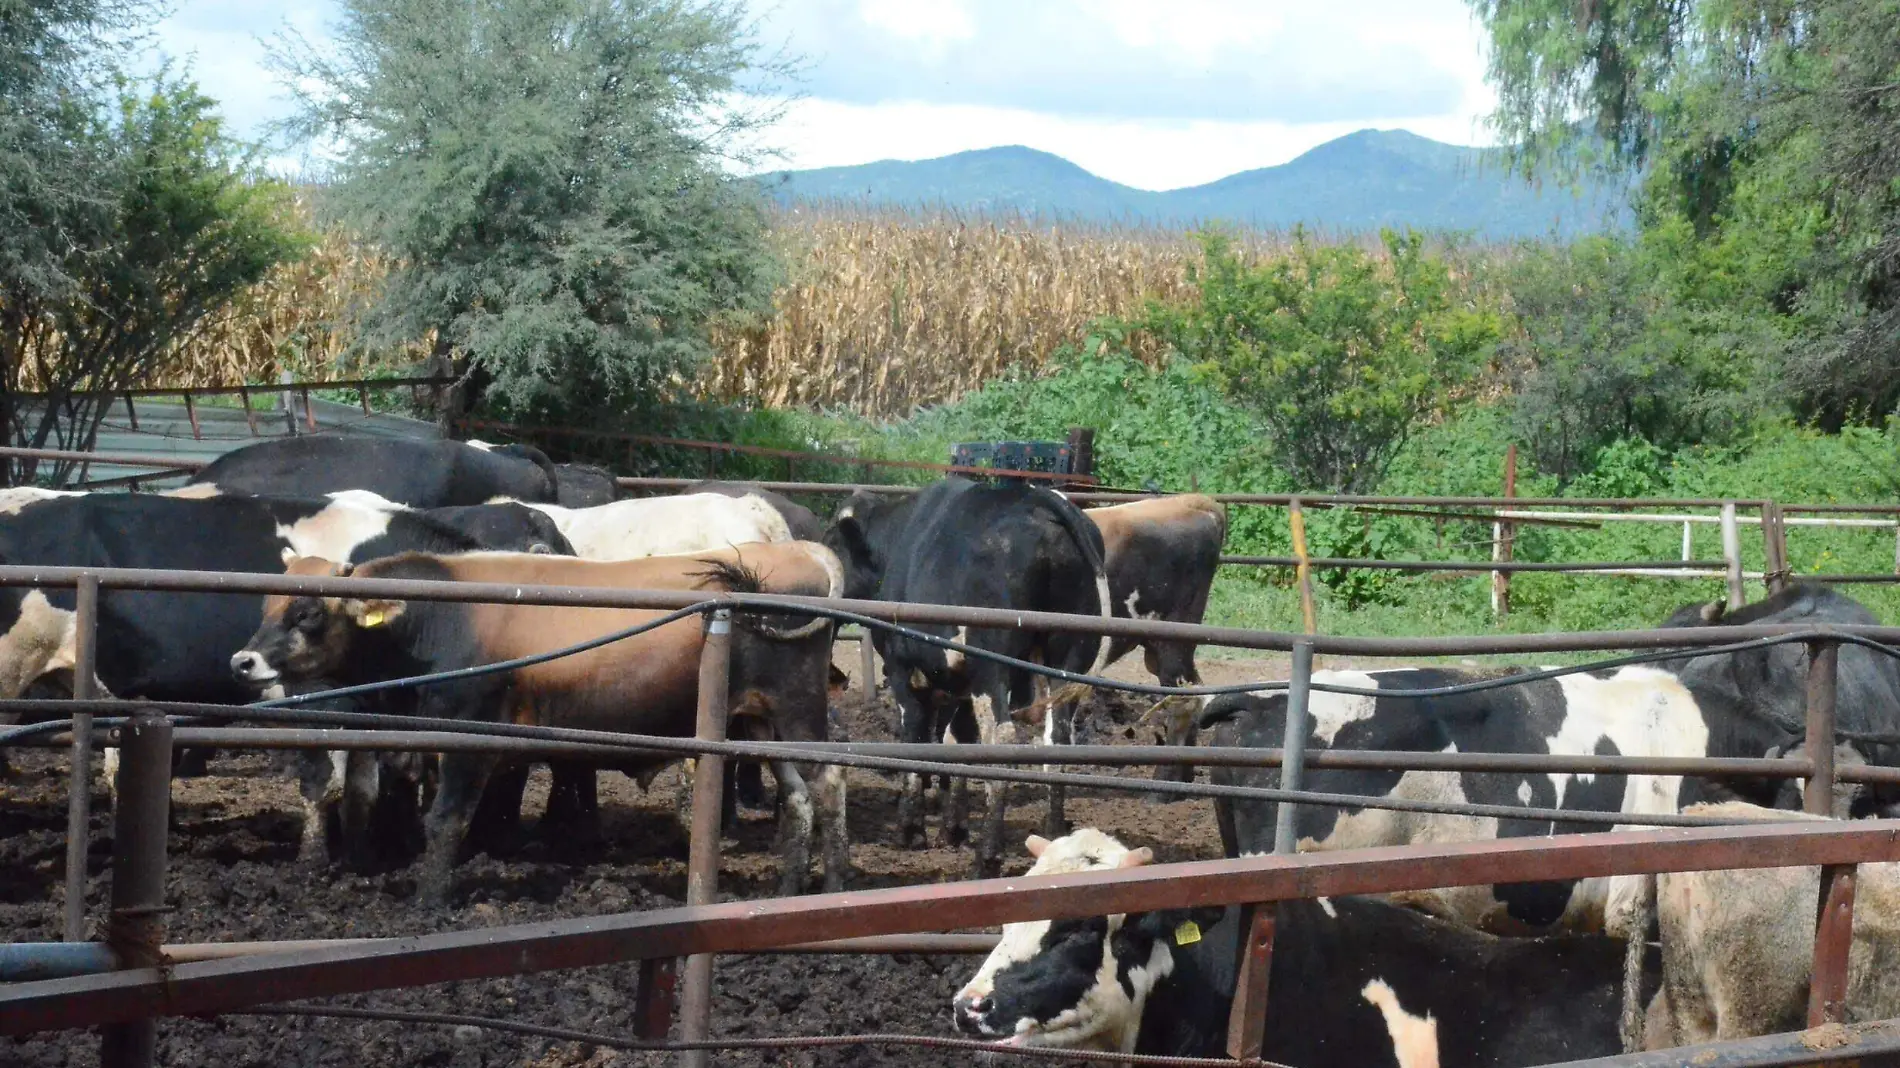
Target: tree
[
  {"x": 183, "y": 224},
  {"x": 1771, "y": 134},
  {"x": 547, "y": 174},
  {"x": 1341, "y": 353}
]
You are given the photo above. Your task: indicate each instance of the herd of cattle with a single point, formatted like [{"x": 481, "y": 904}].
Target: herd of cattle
[{"x": 1505, "y": 975}]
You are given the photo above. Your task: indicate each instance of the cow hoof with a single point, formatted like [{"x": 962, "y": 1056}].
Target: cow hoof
[
  {"x": 988, "y": 867},
  {"x": 956, "y": 837},
  {"x": 911, "y": 837},
  {"x": 834, "y": 882}
]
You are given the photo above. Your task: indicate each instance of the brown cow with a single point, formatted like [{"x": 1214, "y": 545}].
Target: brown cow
[
  {"x": 1161, "y": 555},
  {"x": 646, "y": 684}
]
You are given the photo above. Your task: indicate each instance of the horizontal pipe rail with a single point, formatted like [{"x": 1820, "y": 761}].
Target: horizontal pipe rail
[
  {"x": 750, "y": 926},
  {"x": 325, "y": 739},
  {"x": 1486, "y": 566},
  {"x": 1825, "y": 1045},
  {"x": 606, "y": 597},
  {"x": 275, "y": 387}
]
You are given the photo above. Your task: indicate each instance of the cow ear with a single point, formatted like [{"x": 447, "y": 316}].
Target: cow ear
[
  {"x": 1135, "y": 858},
  {"x": 1035, "y": 843},
  {"x": 372, "y": 613}
]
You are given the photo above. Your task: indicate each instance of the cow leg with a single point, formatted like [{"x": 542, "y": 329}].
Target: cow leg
[
  {"x": 321, "y": 779},
  {"x": 573, "y": 801},
  {"x": 359, "y": 808},
  {"x": 989, "y": 849},
  {"x": 496, "y": 824},
  {"x": 956, "y": 794},
  {"x": 837, "y": 839},
  {"x": 795, "y": 827},
  {"x": 748, "y": 779},
  {"x": 1058, "y": 728},
  {"x": 1173, "y": 665},
  {"x": 914, "y": 722},
  {"x": 459, "y": 791}
]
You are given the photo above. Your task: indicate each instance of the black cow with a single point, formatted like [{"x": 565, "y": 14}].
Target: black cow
[
  {"x": 1353, "y": 982},
  {"x": 802, "y": 521},
  {"x": 584, "y": 486},
  {"x": 421, "y": 474},
  {"x": 1743, "y": 704},
  {"x": 959, "y": 543}
]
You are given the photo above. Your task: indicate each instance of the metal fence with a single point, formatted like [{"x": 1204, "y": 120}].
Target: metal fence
[{"x": 145, "y": 984}]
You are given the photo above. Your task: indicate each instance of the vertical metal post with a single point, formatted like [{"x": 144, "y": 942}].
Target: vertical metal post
[
  {"x": 1503, "y": 533},
  {"x": 290, "y": 406},
  {"x": 1247, "y": 1021},
  {"x": 1293, "y": 759},
  {"x": 140, "y": 822},
  {"x": 1688, "y": 540},
  {"x": 79, "y": 794},
  {"x": 654, "y": 1002},
  {"x": 1834, "y": 914},
  {"x": 1823, "y": 659},
  {"x": 702, "y": 862},
  {"x": 1732, "y": 555},
  {"x": 1303, "y": 570}
]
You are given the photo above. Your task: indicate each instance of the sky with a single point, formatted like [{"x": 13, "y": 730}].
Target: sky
[{"x": 1156, "y": 94}]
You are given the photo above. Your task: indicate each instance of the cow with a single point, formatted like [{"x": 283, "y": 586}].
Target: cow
[
  {"x": 576, "y": 485},
  {"x": 1722, "y": 705},
  {"x": 659, "y": 526},
  {"x": 1014, "y": 547},
  {"x": 645, "y": 684},
  {"x": 802, "y": 521},
  {"x": 1738, "y": 946},
  {"x": 1161, "y": 555},
  {"x": 167, "y": 646},
  {"x": 421, "y": 474},
  {"x": 1353, "y": 982}
]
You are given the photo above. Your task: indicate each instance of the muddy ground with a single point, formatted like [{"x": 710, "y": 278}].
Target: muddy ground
[{"x": 233, "y": 877}]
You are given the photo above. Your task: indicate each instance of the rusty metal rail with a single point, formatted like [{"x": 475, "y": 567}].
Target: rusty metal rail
[{"x": 750, "y": 926}]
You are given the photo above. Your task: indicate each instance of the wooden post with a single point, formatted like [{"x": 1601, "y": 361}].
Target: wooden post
[
  {"x": 191, "y": 413},
  {"x": 290, "y": 405},
  {"x": 1303, "y": 570},
  {"x": 1503, "y": 532},
  {"x": 1732, "y": 555},
  {"x": 654, "y": 1001},
  {"x": 79, "y": 789},
  {"x": 702, "y": 861},
  {"x": 250, "y": 414},
  {"x": 867, "y": 663},
  {"x": 1774, "y": 537},
  {"x": 131, "y": 411}
]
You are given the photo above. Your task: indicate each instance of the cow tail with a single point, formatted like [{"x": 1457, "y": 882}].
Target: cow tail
[
  {"x": 540, "y": 460},
  {"x": 1643, "y": 913},
  {"x": 1080, "y": 527}
]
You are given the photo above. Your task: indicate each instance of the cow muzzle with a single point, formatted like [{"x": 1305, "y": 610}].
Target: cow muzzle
[{"x": 247, "y": 666}]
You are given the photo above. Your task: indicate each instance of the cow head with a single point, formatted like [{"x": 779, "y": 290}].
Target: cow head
[
  {"x": 303, "y": 637},
  {"x": 1075, "y": 984},
  {"x": 859, "y": 533}
]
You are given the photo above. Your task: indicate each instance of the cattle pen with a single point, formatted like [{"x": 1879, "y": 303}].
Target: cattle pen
[{"x": 125, "y": 985}]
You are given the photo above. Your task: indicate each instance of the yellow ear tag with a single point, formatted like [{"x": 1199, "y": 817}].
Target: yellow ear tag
[
  {"x": 372, "y": 618},
  {"x": 1187, "y": 934}
]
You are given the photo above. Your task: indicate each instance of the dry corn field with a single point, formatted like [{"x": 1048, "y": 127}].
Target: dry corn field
[{"x": 881, "y": 312}]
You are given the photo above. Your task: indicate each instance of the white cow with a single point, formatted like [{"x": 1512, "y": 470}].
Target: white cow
[
  {"x": 660, "y": 526},
  {"x": 1738, "y": 946},
  {"x": 14, "y": 498}
]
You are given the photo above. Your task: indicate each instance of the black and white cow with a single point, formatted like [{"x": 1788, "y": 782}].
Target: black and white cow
[
  {"x": 960, "y": 543},
  {"x": 1727, "y": 705},
  {"x": 421, "y": 474},
  {"x": 802, "y": 521},
  {"x": 1353, "y": 982}
]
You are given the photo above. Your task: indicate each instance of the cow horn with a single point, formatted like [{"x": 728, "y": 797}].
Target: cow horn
[{"x": 796, "y": 634}]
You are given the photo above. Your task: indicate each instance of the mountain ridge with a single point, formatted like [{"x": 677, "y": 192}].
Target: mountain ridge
[{"x": 1359, "y": 182}]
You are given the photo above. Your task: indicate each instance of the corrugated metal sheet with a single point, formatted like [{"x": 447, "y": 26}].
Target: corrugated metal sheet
[{"x": 164, "y": 429}]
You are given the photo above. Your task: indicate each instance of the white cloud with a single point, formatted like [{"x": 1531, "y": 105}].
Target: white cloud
[{"x": 1152, "y": 93}]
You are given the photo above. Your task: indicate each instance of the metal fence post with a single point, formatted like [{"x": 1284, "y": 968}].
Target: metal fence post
[
  {"x": 1247, "y": 1021},
  {"x": 79, "y": 793},
  {"x": 702, "y": 862},
  {"x": 867, "y": 662},
  {"x": 1302, "y": 570},
  {"x": 654, "y": 1003},
  {"x": 1834, "y": 913},
  {"x": 1732, "y": 556},
  {"x": 1502, "y": 536},
  {"x": 140, "y": 823}
]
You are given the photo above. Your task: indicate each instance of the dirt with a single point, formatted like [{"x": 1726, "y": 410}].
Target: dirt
[{"x": 233, "y": 876}]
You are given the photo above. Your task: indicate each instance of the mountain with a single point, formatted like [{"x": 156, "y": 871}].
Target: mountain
[{"x": 1359, "y": 182}]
